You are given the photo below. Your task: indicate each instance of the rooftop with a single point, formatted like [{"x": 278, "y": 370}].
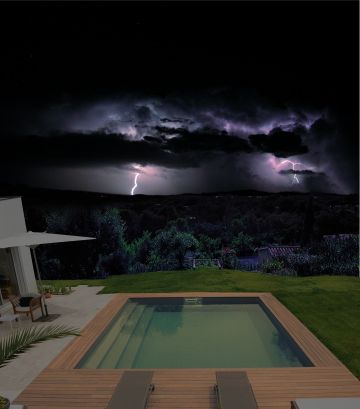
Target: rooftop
[{"x": 277, "y": 251}]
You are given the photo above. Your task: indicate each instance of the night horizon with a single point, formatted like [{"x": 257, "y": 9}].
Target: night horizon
[
  {"x": 179, "y": 204},
  {"x": 220, "y": 107}
]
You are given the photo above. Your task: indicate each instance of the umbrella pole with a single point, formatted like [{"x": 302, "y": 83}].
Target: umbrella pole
[{"x": 39, "y": 278}]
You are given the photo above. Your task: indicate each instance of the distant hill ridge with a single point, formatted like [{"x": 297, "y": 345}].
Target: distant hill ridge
[{"x": 30, "y": 191}]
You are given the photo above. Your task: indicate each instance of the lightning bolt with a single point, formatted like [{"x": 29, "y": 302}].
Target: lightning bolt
[
  {"x": 135, "y": 184},
  {"x": 293, "y": 164}
]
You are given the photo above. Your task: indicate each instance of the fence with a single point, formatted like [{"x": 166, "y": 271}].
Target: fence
[{"x": 206, "y": 262}]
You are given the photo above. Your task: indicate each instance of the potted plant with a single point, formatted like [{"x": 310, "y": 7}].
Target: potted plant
[
  {"x": 22, "y": 339},
  {"x": 47, "y": 290},
  {"x": 4, "y": 403}
]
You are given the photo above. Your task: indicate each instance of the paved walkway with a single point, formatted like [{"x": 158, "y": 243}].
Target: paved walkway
[{"x": 75, "y": 310}]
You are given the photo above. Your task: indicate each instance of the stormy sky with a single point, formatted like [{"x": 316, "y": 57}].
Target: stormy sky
[{"x": 192, "y": 97}]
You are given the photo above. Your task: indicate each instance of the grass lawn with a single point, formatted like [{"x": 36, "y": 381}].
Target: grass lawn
[{"x": 329, "y": 306}]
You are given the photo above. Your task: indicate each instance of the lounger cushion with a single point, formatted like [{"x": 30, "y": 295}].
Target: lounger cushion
[
  {"x": 234, "y": 391},
  {"x": 327, "y": 403},
  {"x": 25, "y": 301},
  {"x": 132, "y": 391}
]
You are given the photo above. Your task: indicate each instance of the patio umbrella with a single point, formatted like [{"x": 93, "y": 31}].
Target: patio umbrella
[{"x": 33, "y": 239}]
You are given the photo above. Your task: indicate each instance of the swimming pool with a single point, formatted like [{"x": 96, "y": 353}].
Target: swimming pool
[{"x": 209, "y": 332}]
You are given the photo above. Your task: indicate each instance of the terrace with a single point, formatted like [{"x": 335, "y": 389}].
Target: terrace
[
  {"x": 61, "y": 384},
  {"x": 75, "y": 309}
]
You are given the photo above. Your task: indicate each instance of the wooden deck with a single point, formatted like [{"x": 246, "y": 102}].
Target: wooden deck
[{"x": 62, "y": 386}]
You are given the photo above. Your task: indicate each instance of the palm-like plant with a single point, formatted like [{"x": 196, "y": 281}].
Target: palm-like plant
[{"x": 22, "y": 339}]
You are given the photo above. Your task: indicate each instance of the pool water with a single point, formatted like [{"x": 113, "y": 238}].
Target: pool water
[{"x": 194, "y": 333}]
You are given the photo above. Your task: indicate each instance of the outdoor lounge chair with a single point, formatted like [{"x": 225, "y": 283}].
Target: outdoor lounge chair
[
  {"x": 132, "y": 391},
  {"x": 234, "y": 391},
  {"x": 326, "y": 403},
  {"x": 34, "y": 304}
]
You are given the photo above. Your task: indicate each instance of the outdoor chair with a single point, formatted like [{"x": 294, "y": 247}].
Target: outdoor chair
[
  {"x": 326, "y": 403},
  {"x": 132, "y": 391},
  {"x": 34, "y": 304},
  {"x": 234, "y": 391}
]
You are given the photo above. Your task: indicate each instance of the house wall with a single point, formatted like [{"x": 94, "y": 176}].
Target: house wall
[
  {"x": 263, "y": 255},
  {"x": 12, "y": 222}
]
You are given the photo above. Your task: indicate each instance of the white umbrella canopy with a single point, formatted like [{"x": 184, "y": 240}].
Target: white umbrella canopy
[{"x": 34, "y": 239}]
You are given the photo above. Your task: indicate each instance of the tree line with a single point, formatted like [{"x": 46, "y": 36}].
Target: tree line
[{"x": 154, "y": 234}]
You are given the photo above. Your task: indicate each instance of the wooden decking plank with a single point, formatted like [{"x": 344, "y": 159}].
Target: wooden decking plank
[
  {"x": 60, "y": 385},
  {"x": 272, "y": 388}
]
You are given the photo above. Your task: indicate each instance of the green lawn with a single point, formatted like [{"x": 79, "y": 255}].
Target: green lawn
[{"x": 329, "y": 306}]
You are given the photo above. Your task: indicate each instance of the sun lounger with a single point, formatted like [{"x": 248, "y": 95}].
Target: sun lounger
[
  {"x": 326, "y": 403},
  {"x": 132, "y": 391},
  {"x": 234, "y": 391}
]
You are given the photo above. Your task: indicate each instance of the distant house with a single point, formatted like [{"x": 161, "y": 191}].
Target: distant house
[
  {"x": 340, "y": 236},
  {"x": 248, "y": 263},
  {"x": 269, "y": 253}
]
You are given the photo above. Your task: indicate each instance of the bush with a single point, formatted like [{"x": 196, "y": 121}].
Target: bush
[
  {"x": 156, "y": 263},
  {"x": 303, "y": 264},
  {"x": 138, "y": 268},
  {"x": 272, "y": 267},
  {"x": 243, "y": 244},
  {"x": 228, "y": 258},
  {"x": 50, "y": 268},
  {"x": 330, "y": 257},
  {"x": 114, "y": 263},
  {"x": 172, "y": 245},
  {"x": 289, "y": 272}
]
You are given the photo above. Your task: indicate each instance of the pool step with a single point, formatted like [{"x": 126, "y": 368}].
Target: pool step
[
  {"x": 111, "y": 357},
  {"x": 105, "y": 342},
  {"x": 193, "y": 301},
  {"x": 132, "y": 348}
]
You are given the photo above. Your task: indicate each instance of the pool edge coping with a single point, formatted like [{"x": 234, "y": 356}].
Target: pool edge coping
[{"x": 318, "y": 354}]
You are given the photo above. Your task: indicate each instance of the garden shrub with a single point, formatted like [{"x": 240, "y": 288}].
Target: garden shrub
[
  {"x": 272, "y": 267},
  {"x": 228, "y": 258},
  {"x": 137, "y": 268}
]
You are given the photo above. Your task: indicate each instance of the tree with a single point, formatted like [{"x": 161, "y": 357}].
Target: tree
[
  {"x": 308, "y": 228},
  {"x": 140, "y": 248},
  {"x": 35, "y": 219},
  {"x": 108, "y": 254},
  {"x": 243, "y": 245},
  {"x": 172, "y": 244},
  {"x": 181, "y": 243},
  {"x": 209, "y": 246}
]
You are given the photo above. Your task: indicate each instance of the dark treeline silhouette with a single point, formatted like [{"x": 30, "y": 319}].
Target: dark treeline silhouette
[{"x": 148, "y": 233}]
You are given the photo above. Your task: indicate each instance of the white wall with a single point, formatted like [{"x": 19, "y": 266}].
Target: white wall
[
  {"x": 12, "y": 223},
  {"x": 12, "y": 220}
]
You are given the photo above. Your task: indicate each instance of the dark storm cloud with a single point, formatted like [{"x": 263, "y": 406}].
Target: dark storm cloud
[
  {"x": 299, "y": 172},
  {"x": 143, "y": 113},
  {"x": 153, "y": 139},
  {"x": 280, "y": 143},
  {"x": 207, "y": 140},
  {"x": 329, "y": 143},
  {"x": 181, "y": 133},
  {"x": 188, "y": 149},
  {"x": 90, "y": 149},
  {"x": 148, "y": 91},
  {"x": 177, "y": 120},
  {"x": 164, "y": 130}
]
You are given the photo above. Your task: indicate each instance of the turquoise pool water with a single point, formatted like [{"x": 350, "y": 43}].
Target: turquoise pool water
[{"x": 194, "y": 333}]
